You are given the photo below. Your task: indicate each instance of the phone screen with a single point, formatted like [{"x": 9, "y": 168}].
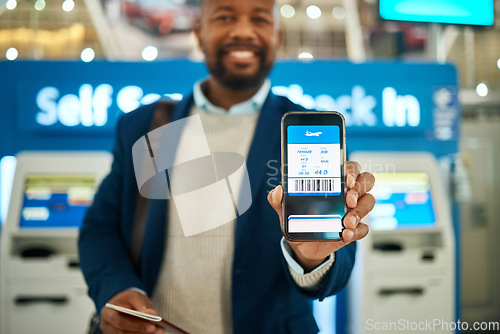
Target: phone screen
[{"x": 313, "y": 159}]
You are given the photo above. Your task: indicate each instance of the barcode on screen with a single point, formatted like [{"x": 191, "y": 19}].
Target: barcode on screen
[{"x": 314, "y": 185}]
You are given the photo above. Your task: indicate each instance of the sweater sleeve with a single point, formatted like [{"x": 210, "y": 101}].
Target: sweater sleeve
[
  {"x": 328, "y": 280},
  {"x": 310, "y": 281}
]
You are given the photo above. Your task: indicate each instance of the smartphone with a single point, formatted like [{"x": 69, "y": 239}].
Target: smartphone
[{"x": 313, "y": 160}]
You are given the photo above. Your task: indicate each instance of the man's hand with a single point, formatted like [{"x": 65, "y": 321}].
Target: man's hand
[
  {"x": 115, "y": 322},
  {"x": 359, "y": 203}
]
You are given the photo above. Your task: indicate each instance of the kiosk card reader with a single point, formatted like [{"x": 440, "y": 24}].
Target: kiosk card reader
[
  {"x": 404, "y": 276},
  {"x": 42, "y": 288}
]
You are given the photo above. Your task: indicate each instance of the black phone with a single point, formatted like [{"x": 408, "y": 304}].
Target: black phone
[{"x": 313, "y": 160}]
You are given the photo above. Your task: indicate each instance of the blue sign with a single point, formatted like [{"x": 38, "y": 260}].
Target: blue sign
[
  {"x": 43, "y": 102},
  {"x": 89, "y": 97}
]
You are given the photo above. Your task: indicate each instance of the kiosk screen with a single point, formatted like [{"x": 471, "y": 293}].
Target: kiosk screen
[
  {"x": 56, "y": 201},
  {"x": 403, "y": 202}
]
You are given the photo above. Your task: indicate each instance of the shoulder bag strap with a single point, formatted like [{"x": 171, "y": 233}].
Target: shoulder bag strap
[{"x": 162, "y": 115}]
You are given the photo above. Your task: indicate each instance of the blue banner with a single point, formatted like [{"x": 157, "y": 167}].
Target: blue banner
[{"x": 75, "y": 105}]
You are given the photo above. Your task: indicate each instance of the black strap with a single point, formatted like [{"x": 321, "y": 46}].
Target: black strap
[{"x": 162, "y": 115}]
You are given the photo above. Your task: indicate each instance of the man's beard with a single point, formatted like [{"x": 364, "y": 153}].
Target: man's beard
[{"x": 235, "y": 82}]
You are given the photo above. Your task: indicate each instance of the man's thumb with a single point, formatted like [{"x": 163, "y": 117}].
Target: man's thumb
[{"x": 141, "y": 303}]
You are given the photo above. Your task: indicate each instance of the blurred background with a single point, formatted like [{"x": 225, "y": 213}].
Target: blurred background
[
  {"x": 324, "y": 29},
  {"x": 149, "y": 31}
]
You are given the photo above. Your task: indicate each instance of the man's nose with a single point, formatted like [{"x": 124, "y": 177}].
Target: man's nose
[{"x": 243, "y": 29}]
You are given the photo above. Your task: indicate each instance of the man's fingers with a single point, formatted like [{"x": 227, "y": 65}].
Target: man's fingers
[
  {"x": 352, "y": 170},
  {"x": 274, "y": 197},
  {"x": 141, "y": 303},
  {"x": 363, "y": 184},
  {"x": 350, "y": 235},
  {"x": 354, "y": 215},
  {"x": 124, "y": 323},
  {"x": 115, "y": 322}
]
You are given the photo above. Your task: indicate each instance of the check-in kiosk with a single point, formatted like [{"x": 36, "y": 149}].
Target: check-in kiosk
[
  {"x": 404, "y": 277},
  {"x": 42, "y": 288}
]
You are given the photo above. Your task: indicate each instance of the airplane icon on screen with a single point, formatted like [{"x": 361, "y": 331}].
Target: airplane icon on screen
[{"x": 310, "y": 134}]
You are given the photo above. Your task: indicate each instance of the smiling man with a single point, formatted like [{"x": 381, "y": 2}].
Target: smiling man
[
  {"x": 242, "y": 277},
  {"x": 239, "y": 43}
]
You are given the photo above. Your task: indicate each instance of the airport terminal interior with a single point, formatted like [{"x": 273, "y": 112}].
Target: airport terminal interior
[{"x": 417, "y": 81}]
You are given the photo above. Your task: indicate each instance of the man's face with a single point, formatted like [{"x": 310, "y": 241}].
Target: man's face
[{"x": 239, "y": 39}]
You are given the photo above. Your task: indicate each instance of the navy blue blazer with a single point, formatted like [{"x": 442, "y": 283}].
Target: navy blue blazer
[{"x": 264, "y": 296}]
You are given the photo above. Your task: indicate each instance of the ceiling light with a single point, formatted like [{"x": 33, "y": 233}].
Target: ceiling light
[
  {"x": 68, "y": 5},
  {"x": 498, "y": 63},
  {"x": 287, "y": 11},
  {"x": 149, "y": 53},
  {"x": 313, "y": 12},
  {"x": 306, "y": 55},
  {"x": 338, "y": 13},
  {"x": 87, "y": 55},
  {"x": 11, "y": 54},
  {"x": 11, "y": 4},
  {"x": 482, "y": 89},
  {"x": 39, "y": 4}
]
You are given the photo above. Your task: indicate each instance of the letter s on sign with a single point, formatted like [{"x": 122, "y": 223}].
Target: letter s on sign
[{"x": 46, "y": 101}]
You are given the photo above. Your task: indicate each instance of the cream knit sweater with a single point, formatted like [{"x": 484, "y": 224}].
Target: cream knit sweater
[{"x": 194, "y": 287}]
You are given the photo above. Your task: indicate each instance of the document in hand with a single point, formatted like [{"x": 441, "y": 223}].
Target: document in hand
[{"x": 155, "y": 319}]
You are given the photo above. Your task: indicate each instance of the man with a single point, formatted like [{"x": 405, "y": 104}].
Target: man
[{"x": 241, "y": 277}]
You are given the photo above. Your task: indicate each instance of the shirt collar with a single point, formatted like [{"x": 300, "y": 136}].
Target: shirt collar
[{"x": 251, "y": 105}]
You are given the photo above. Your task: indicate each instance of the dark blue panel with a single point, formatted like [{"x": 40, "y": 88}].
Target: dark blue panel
[{"x": 74, "y": 105}]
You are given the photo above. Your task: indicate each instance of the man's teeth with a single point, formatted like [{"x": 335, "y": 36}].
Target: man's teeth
[{"x": 241, "y": 54}]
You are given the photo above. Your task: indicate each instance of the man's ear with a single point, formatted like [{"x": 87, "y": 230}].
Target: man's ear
[
  {"x": 198, "y": 34},
  {"x": 279, "y": 37}
]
